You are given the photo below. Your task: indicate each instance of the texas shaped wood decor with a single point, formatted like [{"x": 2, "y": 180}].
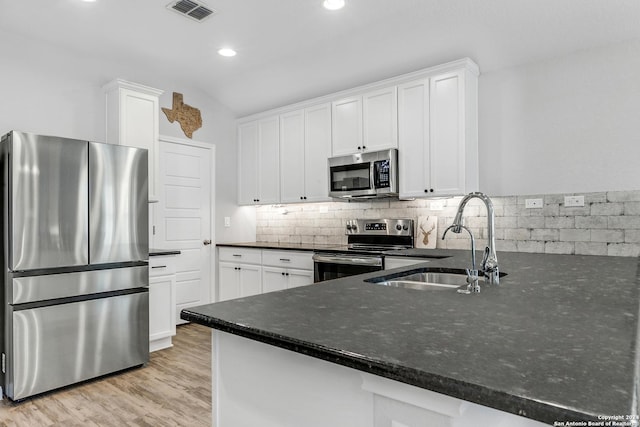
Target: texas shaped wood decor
[{"x": 189, "y": 117}]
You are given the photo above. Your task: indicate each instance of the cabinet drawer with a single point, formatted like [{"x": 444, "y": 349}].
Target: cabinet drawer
[
  {"x": 162, "y": 265},
  {"x": 243, "y": 255},
  {"x": 288, "y": 259}
]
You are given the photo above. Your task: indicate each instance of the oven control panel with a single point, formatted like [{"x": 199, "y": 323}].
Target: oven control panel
[
  {"x": 380, "y": 227},
  {"x": 375, "y": 226}
]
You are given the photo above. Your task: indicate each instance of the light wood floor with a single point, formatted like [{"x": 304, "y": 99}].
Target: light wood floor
[{"x": 174, "y": 389}]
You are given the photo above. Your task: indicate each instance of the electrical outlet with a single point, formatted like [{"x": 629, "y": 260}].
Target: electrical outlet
[
  {"x": 436, "y": 206},
  {"x": 573, "y": 201},
  {"x": 533, "y": 203},
  {"x": 227, "y": 221}
]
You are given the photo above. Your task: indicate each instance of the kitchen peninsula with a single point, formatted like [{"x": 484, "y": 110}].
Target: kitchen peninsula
[{"x": 556, "y": 341}]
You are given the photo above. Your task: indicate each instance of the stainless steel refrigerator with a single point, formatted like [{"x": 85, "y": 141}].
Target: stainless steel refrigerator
[{"x": 75, "y": 261}]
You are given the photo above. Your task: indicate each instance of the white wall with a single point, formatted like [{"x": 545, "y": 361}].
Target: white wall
[
  {"x": 52, "y": 91},
  {"x": 566, "y": 125}
]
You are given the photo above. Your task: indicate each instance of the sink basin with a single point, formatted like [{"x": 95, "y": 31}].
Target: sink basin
[{"x": 426, "y": 279}]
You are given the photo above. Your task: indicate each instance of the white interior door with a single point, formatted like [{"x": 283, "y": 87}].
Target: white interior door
[{"x": 184, "y": 218}]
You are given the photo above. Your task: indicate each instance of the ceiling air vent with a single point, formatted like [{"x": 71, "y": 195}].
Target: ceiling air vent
[{"x": 191, "y": 9}]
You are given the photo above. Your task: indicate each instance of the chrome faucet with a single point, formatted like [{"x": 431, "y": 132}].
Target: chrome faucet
[
  {"x": 489, "y": 266},
  {"x": 472, "y": 274}
]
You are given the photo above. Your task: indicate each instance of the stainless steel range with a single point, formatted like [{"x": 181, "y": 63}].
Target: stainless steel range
[{"x": 367, "y": 240}]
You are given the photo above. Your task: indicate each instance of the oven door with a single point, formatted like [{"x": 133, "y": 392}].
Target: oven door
[{"x": 334, "y": 266}]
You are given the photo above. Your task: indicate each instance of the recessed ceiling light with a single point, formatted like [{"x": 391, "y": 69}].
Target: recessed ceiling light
[
  {"x": 333, "y": 4},
  {"x": 225, "y": 51},
  {"x": 89, "y": 1}
]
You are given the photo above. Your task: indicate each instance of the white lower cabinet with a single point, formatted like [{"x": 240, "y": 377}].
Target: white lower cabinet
[
  {"x": 246, "y": 271},
  {"x": 239, "y": 272},
  {"x": 162, "y": 301},
  {"x": 286, "y": 269},
  {"x": 277, "y": 279},
  {"x": 239, "y": 280}
]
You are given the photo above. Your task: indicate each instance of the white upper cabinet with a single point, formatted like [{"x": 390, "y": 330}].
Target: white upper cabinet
[
  {"x": 305, "y": 141},
  {"x": 259, "y": 162},
  {"x": 413, "y": 143},
  {"x": 248, "y": 163},
  {"x": 346, "y": 126},
  {"x": 438, "y": 135},
  {"x": 430, "y": 115},
  {"x": 133, "y": 114},
  {"x": 380, "y": 119},
  {"x": 292, "y": 159},
  {"x": 317, "y": 138},
  {"x": 367, "y": 122},
  {"x": 447, "y": 134}
]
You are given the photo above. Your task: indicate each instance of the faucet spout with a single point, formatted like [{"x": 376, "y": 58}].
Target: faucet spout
[{"x": 489, "y": 264}]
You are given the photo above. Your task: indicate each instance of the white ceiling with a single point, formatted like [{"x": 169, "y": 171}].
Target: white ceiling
[{"x": 291, "y": 50}]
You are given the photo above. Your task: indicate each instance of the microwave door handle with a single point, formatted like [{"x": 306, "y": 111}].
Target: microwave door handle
[{"x": 372, "y": 176}]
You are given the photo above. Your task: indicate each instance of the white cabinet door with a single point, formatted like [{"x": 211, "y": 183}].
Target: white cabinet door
[
  {"x": 447, "y": 136},
  {"x": 292, "y": 157},
  {"x": 299, "y": 278},
  {"x": 276, "y": 279},
  {"x": 317, "y": 137},
  {"x": 273, "y": 279},
  {"x": 250, "y": 279},
  {"x": 248, "y": 163},
  {"x": 437, "y": 127},
  {"x": 162, "y": 311},
  {"x": 414, "y": 162},
  {"x": 347, "y": 126},
  {"x": 133, "y": 114},
  {"x": 380, "y": 119},
  {"x": 229, "y": 281},
  {"x": 259, "y": 162},
  {"x": 238, "y": 280},
  {"x": 269, "y": 160}
]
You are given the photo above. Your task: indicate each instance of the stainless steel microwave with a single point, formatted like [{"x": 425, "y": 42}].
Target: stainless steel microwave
[{"x": 364, "y": 175}]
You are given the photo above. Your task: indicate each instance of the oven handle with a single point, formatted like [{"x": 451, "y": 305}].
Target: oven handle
[{"x": 339, "y": 259}]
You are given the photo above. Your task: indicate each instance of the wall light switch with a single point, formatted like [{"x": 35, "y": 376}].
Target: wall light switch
[
  {"x": 573, "y": 201},
  {"x": 324, "y": 209},
  {"x": 227, "y": 221},
  {"x": 533, "y": 203}
]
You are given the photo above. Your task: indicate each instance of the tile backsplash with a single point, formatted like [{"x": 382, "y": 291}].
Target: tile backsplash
[{"x": 607, "y": 224}]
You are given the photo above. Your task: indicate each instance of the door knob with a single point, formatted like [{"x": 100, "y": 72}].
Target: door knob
[{"x": 207, "y": 242}]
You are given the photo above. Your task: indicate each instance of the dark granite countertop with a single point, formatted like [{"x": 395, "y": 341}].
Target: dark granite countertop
[
  {"x": 162, "y": 252},
  {"x": 556, "y": 341},
  {"x": 415, "y": 252},
  {"x": 285, "y": 246}
]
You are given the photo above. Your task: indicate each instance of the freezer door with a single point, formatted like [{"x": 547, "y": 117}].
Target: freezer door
[
  {"x": 59, "y": 345},
  {"x": 48, "y": 202},
  {"x": 118, "y": 204},
  {"x": 28, "y": 289}
]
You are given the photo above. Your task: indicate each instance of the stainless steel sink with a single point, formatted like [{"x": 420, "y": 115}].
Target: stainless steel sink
[
  {"x": 425, "y": 280},
  {"x": 428, "y": 278}
]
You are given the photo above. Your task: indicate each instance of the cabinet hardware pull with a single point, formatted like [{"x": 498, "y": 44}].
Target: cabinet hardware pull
[
  {"x": 285, "y": 260},
  {"x": 159, "y": 266},
  {"x": 238, "y": 255}
]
